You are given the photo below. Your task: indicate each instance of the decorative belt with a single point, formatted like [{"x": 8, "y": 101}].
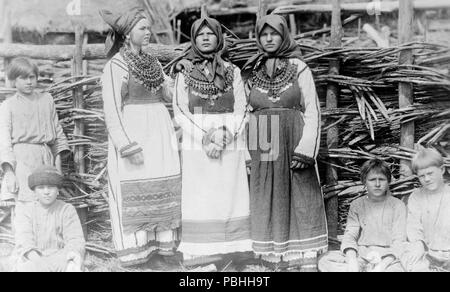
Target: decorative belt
[
  {"x": 277, "y": 108},
  {"x": 142, "y": 101}
]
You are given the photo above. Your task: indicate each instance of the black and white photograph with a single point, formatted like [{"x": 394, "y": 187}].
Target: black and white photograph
[{"x": 225, "y": 136}]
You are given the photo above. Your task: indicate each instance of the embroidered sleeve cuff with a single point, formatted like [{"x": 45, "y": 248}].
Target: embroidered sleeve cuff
[
  {"x": 173, "y": 72},
  {"x": 304, "y": 159},
  {"x": 344, "y": 249},
  {"x": 25, "y": 253},
  {"x": 63, "y": 151},
  {"x": 388, "y": 254},
  {"x": 130, "y": 150},
  {"x": 5, "y": 162}
]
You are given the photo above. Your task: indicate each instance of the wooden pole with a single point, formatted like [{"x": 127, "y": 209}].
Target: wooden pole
[
  {"x": 331, "y": 204},
  {"x": 262, "y": 9},
  {"x": 85, "y": 62},
  {"x": 406, "y": 99},
  {"x": 6, "y": 32},
  {"x": 204, "y": 11},
  {"x": 79, "y": 69},
  {"x": 178, "y": 31},
  {"x": 292, "y": 24},
  {"x": 78, "y": 99}
]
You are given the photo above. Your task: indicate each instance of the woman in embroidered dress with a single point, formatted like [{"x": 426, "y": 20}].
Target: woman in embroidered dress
[
  {"x": 209, "y": 104},
  {"x": 143, "y": 160},
  {"x": 286, "y": 203}
]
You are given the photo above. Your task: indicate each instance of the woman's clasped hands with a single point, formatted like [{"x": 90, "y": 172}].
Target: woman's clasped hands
[{"x": 215, "y": 141}]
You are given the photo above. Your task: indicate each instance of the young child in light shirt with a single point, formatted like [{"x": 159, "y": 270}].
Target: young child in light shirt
[
  {"x": 376, "y": 228},
  {"x": 428, "y": 223},
  {"x": 49, "y": 236},
  {"x": 30, "y": 132}
]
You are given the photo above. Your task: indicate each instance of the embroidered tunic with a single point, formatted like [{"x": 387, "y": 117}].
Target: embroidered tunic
[
  {"x": 145, "y": 200},
  {"x": 215, "y": 195}
]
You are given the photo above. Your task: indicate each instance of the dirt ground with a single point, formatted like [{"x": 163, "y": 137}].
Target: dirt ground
[{"x": 95, "y": 262}]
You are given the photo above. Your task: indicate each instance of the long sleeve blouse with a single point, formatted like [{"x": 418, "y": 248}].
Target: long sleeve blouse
[{"x": 29, "y": 121}]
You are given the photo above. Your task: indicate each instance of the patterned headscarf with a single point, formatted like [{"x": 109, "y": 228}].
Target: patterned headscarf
[
  {"x": 215, "y": 59},
  {"x": 121, "y": 26},
  {"x": 288, "y": 48}
]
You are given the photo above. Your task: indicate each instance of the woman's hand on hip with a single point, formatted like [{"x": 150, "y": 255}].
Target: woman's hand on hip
[{"x": 298, "y": 165}]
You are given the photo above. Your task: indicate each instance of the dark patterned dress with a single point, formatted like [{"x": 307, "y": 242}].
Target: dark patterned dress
[{"x": 287, "y": 207}]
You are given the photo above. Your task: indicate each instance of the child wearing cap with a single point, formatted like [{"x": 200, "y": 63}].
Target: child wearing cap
[
  {"x": 376, "y": 227},
  {"x": 30, "y": 133},
  {"x": 49, "y": 237},
  {"x": 428, "y": 223}
]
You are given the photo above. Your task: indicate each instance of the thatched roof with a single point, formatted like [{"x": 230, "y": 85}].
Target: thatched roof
[
  {"x": 50, "y": 15},
  {"x": 45, "y": 16}
]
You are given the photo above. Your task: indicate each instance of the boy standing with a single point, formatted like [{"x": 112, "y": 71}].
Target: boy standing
[
  {"x": 30, "y": 133},
  {"x": 49, "y": 237},
  {"x": 376, "y": 227},
  {"x": 428, "y": 224}
]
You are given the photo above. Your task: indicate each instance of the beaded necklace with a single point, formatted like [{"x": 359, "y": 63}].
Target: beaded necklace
[
  {"x": 207, "y": 89},
  {"x": 144, "y": 68},
  {"x": 279, "y": 83}
]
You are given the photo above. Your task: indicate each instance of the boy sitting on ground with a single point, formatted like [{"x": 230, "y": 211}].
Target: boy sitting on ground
[
  {"x": 376, "y": 227},
  {"x": 428, "y": 223},
  {"x": 49, "y": 236}
]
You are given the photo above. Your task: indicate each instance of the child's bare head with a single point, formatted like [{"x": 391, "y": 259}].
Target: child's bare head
[
  {"x": 428, "y": 165},
  {"x": 21, "y": 67},
  {"x": 425, "y": 158},
  {"x": 377, "y": 166}
]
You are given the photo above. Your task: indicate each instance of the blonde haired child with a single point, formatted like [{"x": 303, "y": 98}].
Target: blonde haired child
[{"x": 428, "y": 223}]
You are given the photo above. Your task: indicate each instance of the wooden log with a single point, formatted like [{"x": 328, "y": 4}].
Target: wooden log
[
  {"x": 164, "y": 53},
  {"x": 405, "y": 32},
  {"x": 331, "y": 205}
]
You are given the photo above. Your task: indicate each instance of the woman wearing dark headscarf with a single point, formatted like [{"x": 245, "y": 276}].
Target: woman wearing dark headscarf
[
  {"x": 143, "y": 161},
  {"x": 287, "y": 206},
  {"x": 209, "y": 104}
]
